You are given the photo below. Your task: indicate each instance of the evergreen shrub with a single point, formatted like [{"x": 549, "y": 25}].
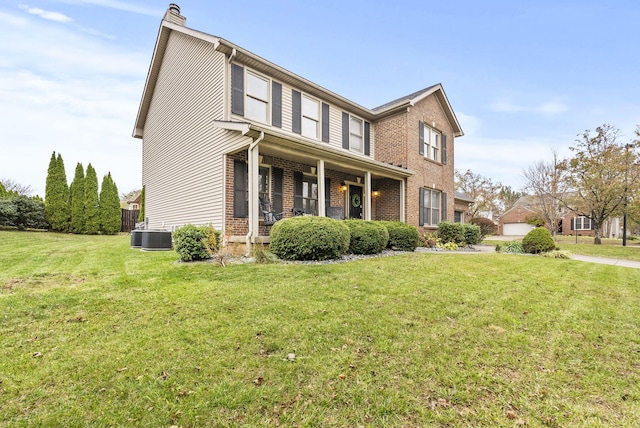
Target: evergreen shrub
[
  {"x": 539, "y": 240},
  {"x": 367, "y": 237},
  {"x": 472, "y": 234},
  {"x": 451, "y": 232},
  {"x": 487, "y": 226},
  {"x": 190, "y": 242},
  {"x": 309, "y": 238},
  {"x": 402, "y": 236}
]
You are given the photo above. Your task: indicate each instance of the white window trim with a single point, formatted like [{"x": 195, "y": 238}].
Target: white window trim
[
  {"x": 317, "y": 121},
  {"x": 351, "y": 148},
  {"x": 268, "y": 167},
  {"x": 427, "y": 220},
  {"x": 428, "y": 147},
  {"x": 254, "y": 97},
  {"x": 583, "y": 220}
]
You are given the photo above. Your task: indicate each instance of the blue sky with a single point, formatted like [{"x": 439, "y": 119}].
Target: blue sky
[{"x": 522, "y": 76}]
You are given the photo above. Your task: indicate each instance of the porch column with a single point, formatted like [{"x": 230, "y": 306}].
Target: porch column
[
  {"x": 367, "y": 195},
  {"x": 254, "y": 215},
  {"x": 403, "y": 184},
  {"x": 321, "y": 190}
]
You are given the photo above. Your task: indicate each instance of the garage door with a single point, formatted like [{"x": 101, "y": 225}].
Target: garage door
[{"x": 516, "y": 229}]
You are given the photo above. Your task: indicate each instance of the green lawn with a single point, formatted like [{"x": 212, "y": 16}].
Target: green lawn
[
  {"x": 93, "y": 333},
  {"x": 611, "y": 248}
]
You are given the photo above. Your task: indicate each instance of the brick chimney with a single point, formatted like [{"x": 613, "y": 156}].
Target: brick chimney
[{"x": 173, "y": 15}]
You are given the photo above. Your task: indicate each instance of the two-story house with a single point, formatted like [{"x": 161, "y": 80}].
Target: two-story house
[{"x": 224, "y": 130}]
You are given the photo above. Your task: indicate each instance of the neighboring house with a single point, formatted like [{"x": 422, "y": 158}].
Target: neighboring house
[
  {"x": 462, "y": 203},
  {"x": 131, "y": 201},
  {"x": 223, "y": 130},
  {"x": 514, "y": 221}
]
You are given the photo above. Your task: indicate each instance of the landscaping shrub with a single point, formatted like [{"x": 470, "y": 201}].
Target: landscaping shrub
[
  {"x": 190, "y": 242},
  {"x": 539, "y": 240},
  {"x": 513, "y": 247},
  {"x": 451, "y": 232},
  {"x": 309, "y": 238},
  {"x": 22, "y": 212},
  {"x": 472, "y": 234},
  {"x": 557, "y": 254},
  {"x": 487, "y": 226},
  {"x": 402, "y": 236},
  {"x": 430, "y": 240},
  {"x": 367, "y": 237}
]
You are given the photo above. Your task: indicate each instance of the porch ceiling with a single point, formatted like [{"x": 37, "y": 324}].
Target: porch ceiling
[{"x": 310, "y": 152}]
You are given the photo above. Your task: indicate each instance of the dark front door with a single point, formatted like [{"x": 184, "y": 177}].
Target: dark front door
[{"x": 355, "y": 201}]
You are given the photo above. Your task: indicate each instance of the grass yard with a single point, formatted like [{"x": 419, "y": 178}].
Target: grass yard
[
  {"x": 611, "y": 248},
  {"x": 95, "y": 333}
]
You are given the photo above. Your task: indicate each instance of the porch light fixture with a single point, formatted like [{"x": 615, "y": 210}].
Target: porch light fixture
[
  {"x": 375, "y": 193},
  {"x": 343, "y": 187}
]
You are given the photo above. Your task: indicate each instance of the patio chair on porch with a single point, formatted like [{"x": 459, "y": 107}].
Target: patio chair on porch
[{"x": 268, "y": 214}]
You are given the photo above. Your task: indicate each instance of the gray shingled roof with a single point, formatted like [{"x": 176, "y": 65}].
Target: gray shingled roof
[{"x": 405, "y": 98}]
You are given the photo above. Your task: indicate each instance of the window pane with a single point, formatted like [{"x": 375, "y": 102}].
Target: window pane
[
  {"x": 257, "y": 87},
  {"x": 435, "y": 199},
  {"x": 255, "y": 109},
  {"x": 309, "y": 128},
  {"x": 355, "y": 126},
  {"x": 355, "y": 143},
  {"x": 435, "y": 217},
  {"x": 310, "y": 108}
]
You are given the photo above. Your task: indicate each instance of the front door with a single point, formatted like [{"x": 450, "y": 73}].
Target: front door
[{"x": 355, "y": 201}]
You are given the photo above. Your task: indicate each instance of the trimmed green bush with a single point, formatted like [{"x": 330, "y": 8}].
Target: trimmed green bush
[
  {"x": 402, "y": 236},
  {"x": 487, "y": 226},
  {"x": 22, "y": 212},
  {"x": 190, "y": 242},
  {"x": 309, "y": 238},
  {"x": 451, "y": 232},
  {"x": 367, "y": 237},
  {"x": 472, "y": 234},
  {"x": 539, "y": 240}
]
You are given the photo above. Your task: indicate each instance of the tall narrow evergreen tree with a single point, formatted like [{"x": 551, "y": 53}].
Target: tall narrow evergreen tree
[
  {"x": 141, "y": 213},
  {"x": 77, "y": 200},
  {"x": 110, "y": 216},
  {"x": 91, "y": 203},
  {"x": 57, "y": 210}
]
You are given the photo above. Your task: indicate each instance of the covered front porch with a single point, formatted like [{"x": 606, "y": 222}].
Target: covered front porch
[{"x": 304, "y": 178}]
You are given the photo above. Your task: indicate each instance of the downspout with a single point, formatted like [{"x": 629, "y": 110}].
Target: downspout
[{"x": 252, "y": 146}]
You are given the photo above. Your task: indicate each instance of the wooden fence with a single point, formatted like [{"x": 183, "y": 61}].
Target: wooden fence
[{"x": 129, "y": 219}]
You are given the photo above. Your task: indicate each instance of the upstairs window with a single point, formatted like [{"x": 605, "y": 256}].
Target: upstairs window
[
  {"x": 310, "y": 117},
  {"x": 257, "y": 97},
  {"x": 355, "y": 134},
  {"x": 430, "y": 142}
]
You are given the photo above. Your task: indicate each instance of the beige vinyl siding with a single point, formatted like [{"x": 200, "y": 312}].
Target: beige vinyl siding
[
  {"x": 183, "y": 153},
  {"x": 287, "y": 109}
]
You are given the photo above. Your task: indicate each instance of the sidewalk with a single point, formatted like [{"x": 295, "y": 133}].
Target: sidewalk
[{"x": 480, "y": 249}]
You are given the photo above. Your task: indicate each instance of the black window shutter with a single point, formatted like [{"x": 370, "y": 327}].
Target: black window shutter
[
  {"x": 276, "y": 104},
  {"x": 345, "y": 130},
  {"x": 444, "y": 149},
  {"x": 444, "y": 206},
  {"x": 240, "y": 203},
  {"x": 325, "y": 122},
  {"x": 573, "y": 224},
  {"x": 296, "y": 119},
  {"x": 421, "y": 139},
  {"x": 421, "y": 206},
  {"x": 327, "y": 195},
  {"x": 297, "y": 189},
  {"x": 367, "y": 138},
  {"x": 237, "y": 89},
  {"x": 277, "y": 189}
]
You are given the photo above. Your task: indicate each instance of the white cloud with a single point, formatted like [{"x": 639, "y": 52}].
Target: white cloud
[
  {"x": 120, "y": 5},
  {"x": 546, "y": 108},
  {"x": 67, "y": 92},
  {"x": 51, "y": 16}
]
